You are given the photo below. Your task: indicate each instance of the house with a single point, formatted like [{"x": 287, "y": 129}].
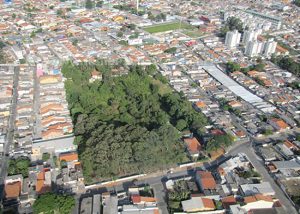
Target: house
[
  {"x": 240, "y": 133},
  {"x": 134, "y": 209},
  {"x": 263, "y": 188},
  {"x": 96, "y": 204},
  {"x": 49, "y": 79},
  {"x": 235, "y": 104},
  {"x": 258, "y": 201},
  {"x": 286, "y": 165},
  {"x": 43, "y": 183},
  {"x": 205, "y": 180},
  {"x": 193, "y": 147},
  {"x": 198, "y": 204},
  {"x": 68, "y": 157},
  {"x": 291, "y": 145},
  {"x": 13, "y": 186},
  {"x": 228, "y": 201},
  {"x": 278, "y": 124},
  {"x": 137, "y": 199},
  {"x": 110, "y": 204},
  {"x": 95, "y": 75}
]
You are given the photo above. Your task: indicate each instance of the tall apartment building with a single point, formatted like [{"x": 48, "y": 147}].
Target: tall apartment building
[
  {"x": 269, "y": 47},
  {"x": 232, "y": 39},
  {"x": 250, "y": 35},
  {"x": 254, "y": 48}
]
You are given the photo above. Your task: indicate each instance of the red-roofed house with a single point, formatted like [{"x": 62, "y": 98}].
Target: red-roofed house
[
  {"x": 137, "y": 199},
  {"x": 193, "y": 146},
  {"x": 258, "y": 201},
  {"x": 278, "y": 124},
  {"x": 68, "y": 157},
  {"x": 227, "y": 201},
  {"x": 205, "y": 180},
  {"x": 13, "y": 190}
]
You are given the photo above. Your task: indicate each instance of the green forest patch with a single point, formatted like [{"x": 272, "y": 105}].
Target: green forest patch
[{"x": 127, "y": 124}]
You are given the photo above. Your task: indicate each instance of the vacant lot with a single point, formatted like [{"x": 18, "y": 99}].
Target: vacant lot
[
  {"x": 193, "y": 33},
  {"x": 292, "y": 186},
  {"x": 168, "y": 27}
]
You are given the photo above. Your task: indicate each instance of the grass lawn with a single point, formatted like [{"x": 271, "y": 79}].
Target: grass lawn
[
  {"x": 163, "y": 88},
  {"x": 168, "y": 27},
  {"x": 193, "y": 33}
]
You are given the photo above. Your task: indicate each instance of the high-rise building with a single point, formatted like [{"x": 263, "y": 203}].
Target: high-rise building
[
  {"x": 232, "y": 39},
  {"x": 269, "y": 47},
  {"x": 250, "y": 35},
  {"x": 254, "y": 48}
]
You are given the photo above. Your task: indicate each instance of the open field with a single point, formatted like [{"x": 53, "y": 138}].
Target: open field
[
  {"x": 163, "y": 88},
  {"x": 168, "y": 27},
  {"x": 292, "y": 186},
  {"x": 193, "y": 33}
]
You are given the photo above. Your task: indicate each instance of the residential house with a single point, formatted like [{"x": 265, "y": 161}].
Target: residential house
[
  {"x": 193, "y": 147},
  {"x": 263, "y": 188},
  {"x": 258, "y": 201},
  {"x": 205, "y": 180},
  {"x": 198, "y": 204},
  {"x": 278, "y": 124},
  {"x": 13, "y": 186}
]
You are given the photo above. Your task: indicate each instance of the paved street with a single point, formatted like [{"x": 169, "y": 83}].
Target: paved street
[
  {"x": 160, "y": 194},
  {"x": 10, "y": 132}
]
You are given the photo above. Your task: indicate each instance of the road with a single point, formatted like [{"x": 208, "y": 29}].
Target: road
[
  {"x": 259, "y": 166},
  {"x": 10, "y": 131},
  {"x": 160, "y": 194}
]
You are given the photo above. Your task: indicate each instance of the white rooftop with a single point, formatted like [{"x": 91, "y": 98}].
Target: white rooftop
[{"x": 238, "y": 89}]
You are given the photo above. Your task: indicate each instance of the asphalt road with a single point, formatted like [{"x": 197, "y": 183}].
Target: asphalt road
[
  {"x": 10, "y": 131},
  {"x": 259, "y": 166},
  {"x": 160, "y": 194}
]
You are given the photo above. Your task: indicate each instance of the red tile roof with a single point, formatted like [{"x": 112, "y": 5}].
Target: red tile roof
[
  {"x": 69, "y": 157},
  {"x": 208, "y": 203},
  {"x": 207, "y": 180},
  {"x": 257, "y": 197},
  {"x": 13, "y": 190},
  {"x": 193, "y": 144},
  {"x": 227, "y": 201}
]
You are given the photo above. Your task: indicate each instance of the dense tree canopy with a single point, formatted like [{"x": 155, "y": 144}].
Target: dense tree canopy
[
  {"x": 19, "y": 166},
  {"x": 218, "y": 141},
  {"x": 123, "y": 125},
  {"x": 89, "y": 4},
  {"x": 232, "y": 66},
  {"x": 288, "y": 64},
  {"x": 2, "y": 45},
  {"x": 231, "y": 24},
  {"x": 51, "y": 203}
]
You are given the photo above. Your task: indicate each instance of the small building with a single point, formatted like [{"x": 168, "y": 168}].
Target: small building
[
  {"x": 96, "y": 204},
  {"x": 258, "y": 201},
  {"x": 68, "y": 157},
  {"x": 228, "y": 201},
  {"x": 193, "y": 147},
  {"x": 263, "y": 188},
  {"x": 198, "y": 204},
  {"x": 95, "y": 75},
  {"x": 13, "y": 186},
  {"x": 110, "y": 205},
  {"x": 278, "y": 124},
  {"x": 205, "y": 180}
]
